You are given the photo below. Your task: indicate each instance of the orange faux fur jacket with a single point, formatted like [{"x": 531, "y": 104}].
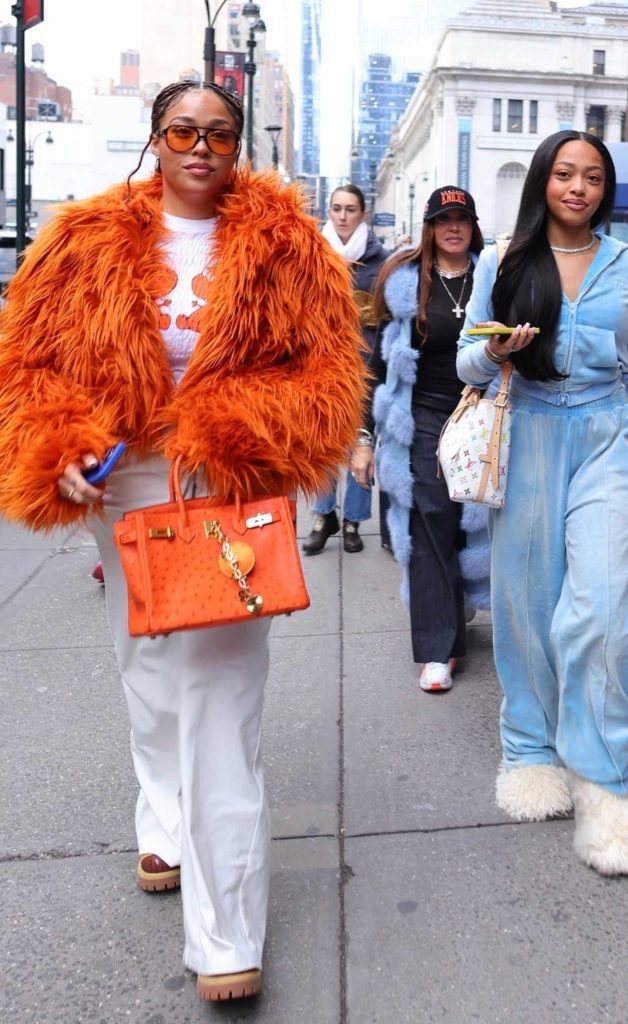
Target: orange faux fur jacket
[{"x": 272, "y": 396}]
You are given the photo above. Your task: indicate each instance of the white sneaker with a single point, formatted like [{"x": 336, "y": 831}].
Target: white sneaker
[{"x": 436, "y": 676}]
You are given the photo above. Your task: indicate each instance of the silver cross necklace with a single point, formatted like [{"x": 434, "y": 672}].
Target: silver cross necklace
[{"x": 457, "y": 307}]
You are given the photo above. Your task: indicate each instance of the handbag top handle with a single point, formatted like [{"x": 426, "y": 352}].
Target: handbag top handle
[{"x": 176, "y": 495}]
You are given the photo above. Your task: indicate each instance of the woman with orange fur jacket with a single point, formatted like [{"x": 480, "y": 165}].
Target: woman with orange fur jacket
[{"x": 198, "y": 313}]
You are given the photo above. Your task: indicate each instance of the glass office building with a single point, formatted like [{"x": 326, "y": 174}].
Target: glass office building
[
  {"x": 310, "y": 86},
  {"x": 382, "y": 101}
]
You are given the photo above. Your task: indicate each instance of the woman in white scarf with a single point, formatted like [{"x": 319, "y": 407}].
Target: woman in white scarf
[
  {"x": 348, "y": 234},
  {"x": 346, "y": 229}
]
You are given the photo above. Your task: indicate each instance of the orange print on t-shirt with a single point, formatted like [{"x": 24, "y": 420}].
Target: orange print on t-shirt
[
  {"x": 170, "y": 280},
  {"x": 200, "y": 287}
]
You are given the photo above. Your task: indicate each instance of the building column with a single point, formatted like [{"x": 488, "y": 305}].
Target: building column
[{"x": 613, "y": 124}]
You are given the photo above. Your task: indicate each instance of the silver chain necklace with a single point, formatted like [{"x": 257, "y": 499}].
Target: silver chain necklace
[
  {"x": 457, "y": 308},
  {"x": 451, "y": 273},
  {"x": 580, "y": 248}
]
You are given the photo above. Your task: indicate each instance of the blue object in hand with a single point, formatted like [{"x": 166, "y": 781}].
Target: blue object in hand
[{"x": 100, "y": 472}]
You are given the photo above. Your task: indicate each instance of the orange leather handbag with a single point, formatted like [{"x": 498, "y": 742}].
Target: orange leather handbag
[{"x": 204, "y": 562}]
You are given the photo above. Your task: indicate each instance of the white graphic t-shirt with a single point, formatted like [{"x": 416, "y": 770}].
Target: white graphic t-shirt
[{"x": 188, "y": 245}]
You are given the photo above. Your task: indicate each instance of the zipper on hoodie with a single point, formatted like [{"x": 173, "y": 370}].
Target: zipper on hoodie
[
  {"x": 571, "y": 332},
  {"x": 573, "y": 308}
]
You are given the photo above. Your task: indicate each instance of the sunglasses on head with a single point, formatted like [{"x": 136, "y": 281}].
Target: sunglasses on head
[{"x": 181, "y": 138}]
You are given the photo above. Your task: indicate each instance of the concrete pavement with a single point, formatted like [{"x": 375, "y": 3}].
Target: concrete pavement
[{"x": 399, "y": 894}]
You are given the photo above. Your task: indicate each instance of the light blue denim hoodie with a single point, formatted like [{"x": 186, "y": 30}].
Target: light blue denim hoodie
[{"x": 592, "y": 334}]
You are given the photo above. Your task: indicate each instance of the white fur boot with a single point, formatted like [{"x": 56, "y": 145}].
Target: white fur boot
[
  {"x": 533, "y": 792},
  {"x": 601, "y": 837}
]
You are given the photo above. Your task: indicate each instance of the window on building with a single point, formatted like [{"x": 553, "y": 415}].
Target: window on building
[
  {"x": 515, "y": 115},
  {"x": 497, "y": 115},
  {"x": 533, "y": 117},
  {"x": 599, "y": 62},
  {"x": 596, "y": 118}
]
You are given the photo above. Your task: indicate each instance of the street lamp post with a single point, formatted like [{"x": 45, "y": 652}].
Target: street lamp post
[
  {"x": 28, "y": 165},
  {"x": 20, "y": 128},
  {"x": 411, "y": 193},
  {"x": 26, "y": 16},
  {"x": 30, "y": 160},
  {"x": 372, "y": 176},
  {"x": 372, "y": 187},
  {"x": 251, "y": 12},
  {"x": 274, "y": 130},
  {"x": 209, "y": 50}
]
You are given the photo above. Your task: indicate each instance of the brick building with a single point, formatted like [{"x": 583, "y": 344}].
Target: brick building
[{"x": 45, "y": 99}]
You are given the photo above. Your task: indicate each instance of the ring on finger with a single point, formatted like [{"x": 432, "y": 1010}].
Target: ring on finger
[{"x": 70, "y": 494}]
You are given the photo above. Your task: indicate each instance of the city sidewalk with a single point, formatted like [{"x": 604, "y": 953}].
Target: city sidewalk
[{"x": 399, "y": 893}]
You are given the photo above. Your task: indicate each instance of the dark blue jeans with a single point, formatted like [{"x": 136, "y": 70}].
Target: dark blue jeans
[{"x": 436, "y": 594}]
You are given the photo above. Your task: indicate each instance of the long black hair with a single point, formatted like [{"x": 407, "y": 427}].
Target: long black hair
[
  {"x": 528, "y": 286},
  {"x": 172, "y": 93}
]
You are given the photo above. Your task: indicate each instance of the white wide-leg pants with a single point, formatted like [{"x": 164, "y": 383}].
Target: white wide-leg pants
[{"x": 195, "y": 701}]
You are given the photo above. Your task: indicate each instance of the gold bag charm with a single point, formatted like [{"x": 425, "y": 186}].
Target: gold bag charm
[
  {"x": 254, "y": 604},
  {"x": 244, "y": 556}
]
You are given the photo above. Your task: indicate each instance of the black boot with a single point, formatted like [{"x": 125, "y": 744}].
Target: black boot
[
  {"x": 351, "y": 540},
  {"x": 324, "y": 526}
]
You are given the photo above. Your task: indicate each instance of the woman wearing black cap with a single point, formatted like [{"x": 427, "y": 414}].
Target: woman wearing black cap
[{"x": 420, "y": 297}]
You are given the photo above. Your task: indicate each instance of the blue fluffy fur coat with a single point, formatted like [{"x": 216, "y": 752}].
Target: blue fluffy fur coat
[{"x": 392, "y": 409}]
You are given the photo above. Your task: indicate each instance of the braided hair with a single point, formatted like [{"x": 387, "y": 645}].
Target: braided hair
[{"x": 172, "y": 93}]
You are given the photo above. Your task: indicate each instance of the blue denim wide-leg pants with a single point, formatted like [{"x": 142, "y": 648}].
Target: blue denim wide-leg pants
[{"x": 559, "y": 581}]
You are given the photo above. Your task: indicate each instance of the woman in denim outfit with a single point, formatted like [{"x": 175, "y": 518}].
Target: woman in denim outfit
[{"x": 559, "y": 575}]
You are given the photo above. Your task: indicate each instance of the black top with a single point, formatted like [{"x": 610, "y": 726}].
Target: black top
[{"x": 437, "y": 370}]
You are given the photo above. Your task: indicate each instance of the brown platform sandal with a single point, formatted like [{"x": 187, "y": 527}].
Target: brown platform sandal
[
  {"x": 217, "y": 987},
  {"x": 154, "y": 875}
]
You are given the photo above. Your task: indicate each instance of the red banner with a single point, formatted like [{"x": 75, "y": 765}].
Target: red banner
[
  {"x": 33, "y": 12},
  {"x": 229, "y": 72}
]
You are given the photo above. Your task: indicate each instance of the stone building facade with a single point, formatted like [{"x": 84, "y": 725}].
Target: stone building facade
[
  {"x": 505, "y": 76},
  {"x": 46, "y": 100}
]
